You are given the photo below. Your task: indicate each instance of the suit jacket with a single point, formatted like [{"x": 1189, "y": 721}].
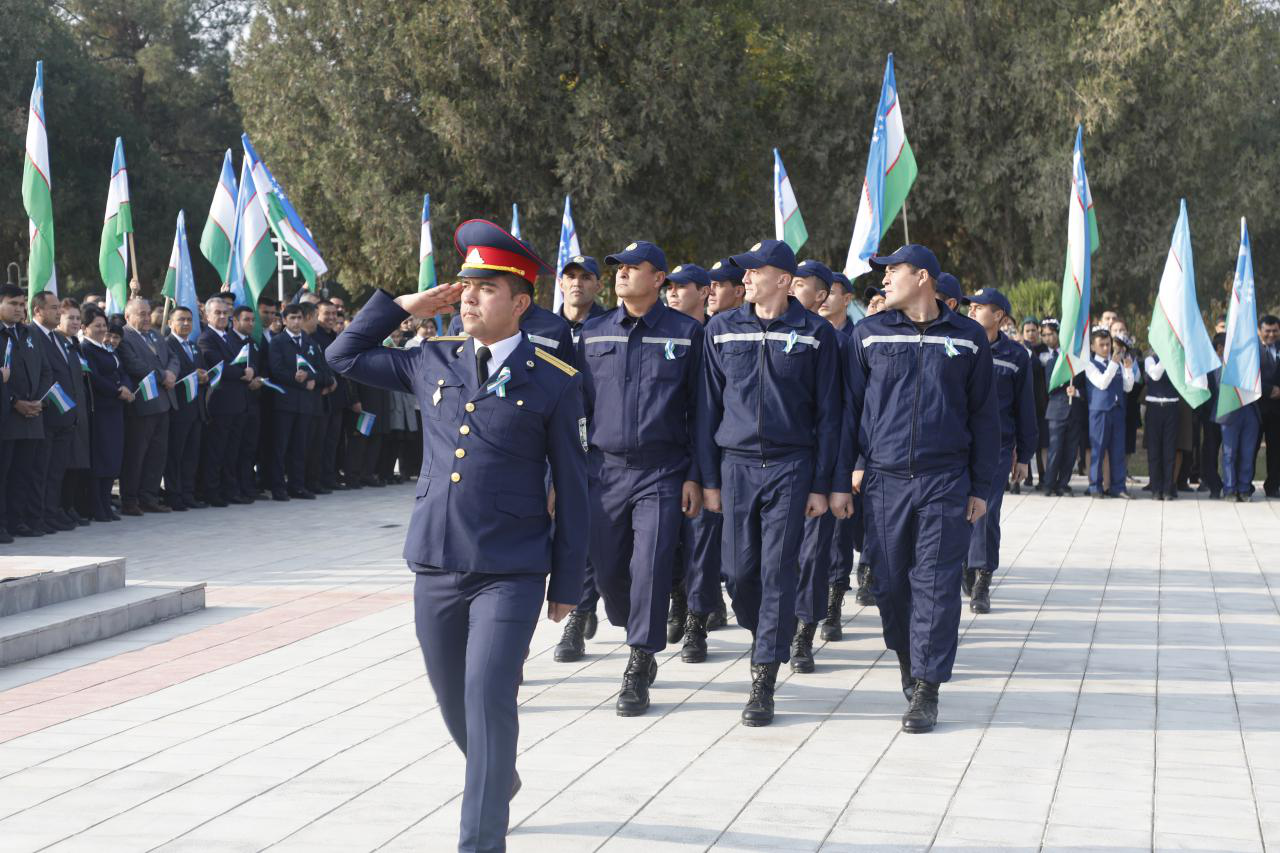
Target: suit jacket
[
  {"x": 231, "y": 395},
  {"x": 283, "y": 358},
  {"x": 56, "y": 352},
  {"x": 29, "y": 378},
  {"x": 141, "y": 354},
  {"x": 342, "y": 396},
  {"x": 1270, "y": 379},
  {"x": 106, "y": 376},
  {"x": 83, "y": 395},
  {"x": 187, "y": 410}
]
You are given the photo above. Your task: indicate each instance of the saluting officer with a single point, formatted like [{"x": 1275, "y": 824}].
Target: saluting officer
[
  {"x": 929, "y": 443},
  {"x": 642, "y": 363},
  {"x": 772, "y": 397},
  {"x": 1019, "y": 438},
  {"x": 544, "y": 329},
  {"x": 495, "y": 411}
]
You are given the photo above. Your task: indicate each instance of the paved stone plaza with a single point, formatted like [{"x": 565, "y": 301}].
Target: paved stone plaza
[{"x": 1124, "y": 694}]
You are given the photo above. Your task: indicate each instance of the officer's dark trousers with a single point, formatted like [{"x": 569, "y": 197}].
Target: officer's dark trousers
[
  {"x": 917, "y": 536},
  {"x": 763, "y": 526},
  {"x": 848, "y": 539},
  {"x": 1106, "y": 436},
  {"x": 253, "y": 433},
  {"x": 18, "y": 479},
  {"x": 1064, "y": 440},
  {"x": 58, "y": 449},
  {"x": 474, "y": 630},
  {"x": 1210, "y": 449},
  {"x": 635, "y": 528},
  {"x": 1161, "y": 436},
  {"x": 146, "y": 444},
  {"x": 1239, "y": 438},
  {"x": 590, "y": 595},
  {"x": 291, "y": 432},
  {"x": 184, "y": 451},
  {"x": 700, "y": 559},
  {"x": 984, "y": 544},
  {"x": 815, "y": 567},
  {"x": 221, "y": 449}
]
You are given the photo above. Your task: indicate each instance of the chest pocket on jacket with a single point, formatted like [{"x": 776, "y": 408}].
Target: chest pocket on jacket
[
  {"x": 790, "y": 364},
  {"x": 446, "y": 404},
  {"x": 604, "y": 359},
  {"x": 659, "y": 368},
  {"x": 513, "y": 421},
  {"x": 896, "y": 360},
  {"x": 739, "y": 358}
]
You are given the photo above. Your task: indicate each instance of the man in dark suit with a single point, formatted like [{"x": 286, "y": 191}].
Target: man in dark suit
[
  {"x": 1269, "y": 405},
  {"x": 336, "y": 402},
  {"x": 186, "y": 421},
  {"x": 254, "y": 431},
  {"x": 293, "y": 410},
  {"x": 325, "y": 386},
  {"x": 146, "y": 425},
  {"x": 59, "y": 427},
  {"x": 22, "y": 429},
  {"x": 76, "y": 499},
  {"x": 226, "y": 398}
]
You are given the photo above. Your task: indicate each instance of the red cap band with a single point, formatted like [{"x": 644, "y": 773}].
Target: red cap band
[{"x": 499, "y": 260}]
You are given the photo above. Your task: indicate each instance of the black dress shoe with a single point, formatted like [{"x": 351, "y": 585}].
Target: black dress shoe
[
  {"x": 759, "y": 708},
  {"x": 865, "y": 597},
  {"x": 322, "y": 491},
  {"x": 719, "y": 617},
  {"x": 904, "y": 672},
  {"x": 103, "y": 518},
  {"x": 81, "y": 520},
  {"x": 5, "y": 537},
  {"x": 922, "y": 715},
  {"x": 240, "y": 500},
  {"x": 694, "y": 649},
  {"x": 1172, "y": 496},
  {"x": 302, "y": 495},
  {"x": 155, "y": 507},
  {"x": 572, "y": 646},
  {"x": 831, "y": 628},
  {"x": 966, "y": 581},
  {"x": 981, "y": 601},
  {"x": 26, "y": 531},
  {"x": 218, "y": 502},
  {"x": 115, "y": 516},
  {"x": 676, "y": 614},
  {"x": 633, "y": 698},
  {"x": 589, "y": 629},
  {"x": 802, "y": 647},
  {"x": 58, "y": 524},
  {"x": 134, "y": 511},
  {"x": 279, "y": 496}
]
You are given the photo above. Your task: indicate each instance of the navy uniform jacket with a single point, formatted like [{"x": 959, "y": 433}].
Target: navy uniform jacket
[
  {"x": 1015, "y": 397},
  {"x": 1059, "y": 406},
  {"x": 64, "y": 368},
  {"x": 29, "y": 378},
  {"x": 195, "y": 409},
  {"x": 141, "y": 354},
  {"x": 923, "y": 403},
  {"x": 481, "y": 500},
  {"x": 770, "y": 393},
  {"x": 575, "y": 329},
  {"x": 643, "y": 384},
  {"x": 545, "y": 330},
  {"x": 230, "y": 395},
  {"x": 283, "y": 359}
]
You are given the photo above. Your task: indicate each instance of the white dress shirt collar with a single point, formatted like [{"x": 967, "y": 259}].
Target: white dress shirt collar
[{"x": 499, "y": 351}]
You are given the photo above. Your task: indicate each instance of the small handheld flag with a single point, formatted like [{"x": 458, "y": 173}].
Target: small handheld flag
[
  {"x": 273, "y": 386},
  {"x": 364, "y": 423},
  {"x": 190, "y": 385},
  {"x": 60, "y": 399},
  {"x": 149, "y": 387},
  {"x": 242, "y": 357},
  {"x": 215, "y": 375},
  {"x": 788, "y": 225},
  {"x": 303, "y": 364},
  {"x": 84, "y": 365},
  {"x": 8, "y": 352}
]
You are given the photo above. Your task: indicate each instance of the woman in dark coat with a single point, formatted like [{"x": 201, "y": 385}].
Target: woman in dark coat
[{"x": 110, "y": 392}]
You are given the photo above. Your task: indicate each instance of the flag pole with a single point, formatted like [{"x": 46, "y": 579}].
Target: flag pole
[
  {"x": 906, "y": 232},
  {"x": 134, "y": 285}
]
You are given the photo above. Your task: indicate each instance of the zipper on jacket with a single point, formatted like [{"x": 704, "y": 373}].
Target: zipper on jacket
[
  {"x": 764, "y": 343},
  {"x": 915, "y": 408}
]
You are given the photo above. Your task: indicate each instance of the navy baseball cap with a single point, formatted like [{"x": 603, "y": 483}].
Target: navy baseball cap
[
  {"x": 689, "y": 274},
  {"x": 842, "y": 280},
  {"x": 991, "y": 296},
  {"x": 487, "y": 248},
  {"x": 810, "y": 267},
  {"x": 587, "y": 262},
  {"x": 949, "y": 287},
  {"x": 872, "y": 292},
  {"x": 767, "y": 253},
  {"x": 724, "y": 270},
  {"x": 918, "y": 256},
  {"x": 638, "y": 252}
]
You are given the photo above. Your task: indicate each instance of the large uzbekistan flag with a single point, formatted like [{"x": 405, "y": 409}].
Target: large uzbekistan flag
[
  {"x": 891, "y": 170},
  {"x": 254, "y": 253},
  {"x": 569, "y": 248},
  {"x": 788, "y": 224},
  {"x": 1082, "y": 242},
  {"x": 426, "y": 254},
  {"x": 1242, "y": 355},
  {"x": 284, "y": 220},
  {"x": 1177, "y": 332},
  {"x": 36, "y": 196},
  {"x": 220, "y": 227},
  {"x": 180, "y": 280},
  {"x": 117, "y": 224}
]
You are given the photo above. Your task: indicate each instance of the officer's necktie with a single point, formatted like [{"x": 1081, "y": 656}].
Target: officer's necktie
[{"x": 482, "y": 364}]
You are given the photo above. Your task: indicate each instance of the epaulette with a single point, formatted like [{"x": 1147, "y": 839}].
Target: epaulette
[
  {"x": 552, "y": 360},
  {"x": 448, "y": 337}
]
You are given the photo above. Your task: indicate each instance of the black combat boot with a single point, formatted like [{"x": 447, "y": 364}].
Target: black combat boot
[
  {"x": 677, "y": 613},
  {"x": 831, "y": 628},
  {"x": 572, "y": 645},
  {"x": 719, "y": 617},
  {"x": 592, "y": 623},
  {"x": 864, "y": 596},
  {"x": 966, "y": 584},
  {"x": 981, "y": 601},
  {"x": 642, "y": 669},
  {"x": 922, "y": 715},
  {"x": 759, "y": 708},
  {"x": 695, "y": 638},
  {"x": 802, "y": 647},
  {"x": 904, "y": 670}
]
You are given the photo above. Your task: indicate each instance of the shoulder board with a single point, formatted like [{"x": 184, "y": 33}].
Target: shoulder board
[
  {"x": 448, "y": 338},
  {"x": 552, "y": 360}
]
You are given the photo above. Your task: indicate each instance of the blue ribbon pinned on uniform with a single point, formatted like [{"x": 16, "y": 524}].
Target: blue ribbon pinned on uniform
[
  {"x": 950, "y": 348},
  {"x": 791, "y": 342},
  {"x": 669, "y": 351},
  {"x": 499, "y": 385}
]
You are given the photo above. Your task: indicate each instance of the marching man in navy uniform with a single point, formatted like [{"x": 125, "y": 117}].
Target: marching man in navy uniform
[
  {"x": 495, "y": 411},
  {"x": 643, "y": 376},
  {"x": 929, "y": 448}
]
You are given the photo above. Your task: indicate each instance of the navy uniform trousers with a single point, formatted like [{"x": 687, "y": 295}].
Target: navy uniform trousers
[
  {"x": 635, "y": 528},
  {"x": 815, "y": 567},
  {"x": 763, "y": 527},
  {"x": 1240, "y": 433},
  {"x": 474, "y": 630},
  {"x": 984, "y": 545},
  {"x": 699, "y": 562},
  {"x": 916, "y": 539},
  {"x": 1160, "y": 431},
  {"x": 849, "y": 538},
  {"x": 590, "y": 594},
  {"x": 1106, "y": 436},
  {"x": 1066, "y": 427}
]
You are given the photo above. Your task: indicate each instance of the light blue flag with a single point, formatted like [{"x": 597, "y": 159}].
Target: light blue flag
[
  {"x": 235, "y": 272},
  {"x": 1242, "y": 355},
  {"x": 515, "y": 221},
  {"x": 184, "y": 281},
  {"x": 569, "y": 249}
]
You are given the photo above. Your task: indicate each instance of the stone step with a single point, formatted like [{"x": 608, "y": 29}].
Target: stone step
[
  {"x": 50, "y": 629},
  {"x": 30, "y": 582}
]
